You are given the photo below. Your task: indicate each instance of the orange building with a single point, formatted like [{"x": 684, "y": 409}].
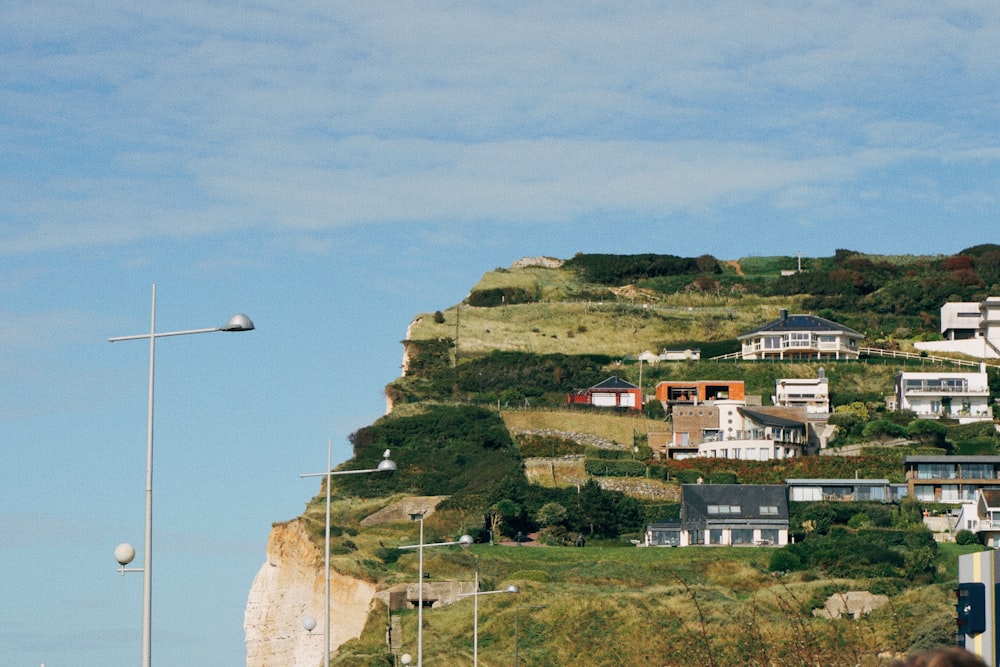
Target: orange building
[{"x": 700, "y": 391}]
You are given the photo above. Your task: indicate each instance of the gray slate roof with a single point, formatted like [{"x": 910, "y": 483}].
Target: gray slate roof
[
  {"x": 695, "y": 499},
  {"x": 614, "y": 382},
  {"x": 768, "y": 419},
  {"x": 801, "y": 323}
]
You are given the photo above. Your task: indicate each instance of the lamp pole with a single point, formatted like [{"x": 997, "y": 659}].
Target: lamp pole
[
  {"x": 385, "y": 465},
  {"x": 465, "y": 541},
  {"x": 475, "y": 613},
  {"x": 124, "y": 553}
]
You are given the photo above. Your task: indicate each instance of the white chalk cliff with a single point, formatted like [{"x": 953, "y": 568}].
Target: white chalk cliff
[{"x": 289, "y": 587}]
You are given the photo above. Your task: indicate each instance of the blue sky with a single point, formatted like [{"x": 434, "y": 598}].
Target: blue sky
[{"x": 333, "y": 169}]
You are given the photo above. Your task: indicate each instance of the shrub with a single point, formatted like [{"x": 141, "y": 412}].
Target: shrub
[
  {"x": 785, "y": 560},
  {"x": 966, "y": 537}
]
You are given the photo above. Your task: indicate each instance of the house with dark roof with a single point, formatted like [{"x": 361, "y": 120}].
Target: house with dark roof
[
  {"x": 800, "y": 337},
  {"x": 611, "y": 393},
  {"x": 726, "y": 515}
]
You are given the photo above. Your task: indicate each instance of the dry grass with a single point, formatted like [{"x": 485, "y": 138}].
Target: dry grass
[
  {"x": 566, "y": 321},
  {"x": 620, "y": 428}
]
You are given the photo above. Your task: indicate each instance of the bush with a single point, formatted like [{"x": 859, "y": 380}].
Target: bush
[
  {"x": 784, "y": 560},
  {"x": 966, "y": 537},
  {"x": 622, "y": 468}
]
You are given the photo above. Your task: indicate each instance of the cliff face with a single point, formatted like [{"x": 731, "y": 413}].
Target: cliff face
[{"x": 289, "y": 587}]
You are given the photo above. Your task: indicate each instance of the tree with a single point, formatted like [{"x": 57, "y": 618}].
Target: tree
[
  {"x": 551, "y": 514},
  {"x": 927, "y": 431},
  {"x": 857, "y": 407},
  {"x": 882, "y": 430}
]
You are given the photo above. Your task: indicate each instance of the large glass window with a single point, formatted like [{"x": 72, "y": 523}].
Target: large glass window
[
  {"x": 949, "y": 493},
  {"x": 871, "y": 493},
  {"x": 715, "y": 536},
  {"x": 769, "y": 535},
  {"x": 937, "y": 471},
  {"x": 666, "y": 538},
  {"x": 924, "y": 492},
  {"x": 742, "y": 535},
  {"x": 696, "y": 537},
  {"x": 977, "y": 471},
  {"x": 800, "y": 339}
]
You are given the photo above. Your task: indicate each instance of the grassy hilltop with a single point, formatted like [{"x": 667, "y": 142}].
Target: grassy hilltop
[{"x": 485, "y": 389}]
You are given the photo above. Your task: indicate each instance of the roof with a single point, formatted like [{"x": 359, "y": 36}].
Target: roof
[
  {"x": 696, "y": 499},
  {"x": 615, "y": 382},
  {"x": 802, "y": 323},
  {"x": 949, "y": 458},
  {"x": 768, "y": 419},
  {"x": 852, "y": 481},
  {"x": 991, "y": 496}
]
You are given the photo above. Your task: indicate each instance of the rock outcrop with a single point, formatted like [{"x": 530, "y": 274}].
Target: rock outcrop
[{"x": 288, "y": 588}]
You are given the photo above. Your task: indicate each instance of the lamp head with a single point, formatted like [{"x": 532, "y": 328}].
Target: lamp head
[
  {"x": 465, "y": 541},
  {"x": 124, "y": 554},
  {"x": 238, "y": 322},
  {"x": 386, "y": 465},
  {"x": 309, "y": 623},
  {"x": 513, "y": 589}
]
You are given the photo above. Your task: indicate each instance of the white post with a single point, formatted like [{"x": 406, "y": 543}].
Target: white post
[
  {"x": 420, "y": 597},
  {"x": 147, "y": 549},
  {"x": 475, "y": 622}
]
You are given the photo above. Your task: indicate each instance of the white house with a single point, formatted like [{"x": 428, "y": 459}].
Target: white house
[
  {"x": 800, "y": 337},
  {"x": 982, "y": 516},
  {"x": 813, "y": 394},
  {"x": 759, "y": 436},
  {"x": 963, "y": 396},
  {"x": 971, "y": 328},
  {"x": 725, "y": 515}
]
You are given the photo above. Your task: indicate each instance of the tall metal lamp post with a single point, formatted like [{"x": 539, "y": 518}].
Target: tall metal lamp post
[
  {"x": 385, "y": 465},
  {"x": 465, "y": 541},
  {"x": 475, "y": 614},
  {"x": 124, "y": 553}
]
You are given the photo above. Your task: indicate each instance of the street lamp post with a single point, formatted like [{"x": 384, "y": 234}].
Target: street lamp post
[
  {"x": 465, "y": 541},
  {"x": 475, "y": 614},
  {"x": 124, "y": 553},
  {"x": 385, "y": 465}
]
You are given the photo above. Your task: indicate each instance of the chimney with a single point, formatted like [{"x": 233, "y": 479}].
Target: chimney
[{"x": 784, "y": 314}]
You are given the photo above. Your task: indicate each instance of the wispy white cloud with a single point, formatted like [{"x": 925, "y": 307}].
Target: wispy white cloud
[{"x": 195, "y": 118}]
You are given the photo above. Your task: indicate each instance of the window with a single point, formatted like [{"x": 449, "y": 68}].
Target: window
[
  {"x": 936, "y": 471},
  {"x": 724, "y": 509},
  {"x": 742, "y": 535},
  {"x": 949, "y": 493},
  {"x": 769, "y": 510},
  {"x": 924, "y": 492},
  {"x": 772, "y": 342},
  {"x": 665, "y": 538},
  {"x": 977, "y": 471},
  {"x": 696, "y": 537},
  {"x": 769, "y": 535},
  {"x": 715, "y": 536},
  {"x": 800, "y": 339}
]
